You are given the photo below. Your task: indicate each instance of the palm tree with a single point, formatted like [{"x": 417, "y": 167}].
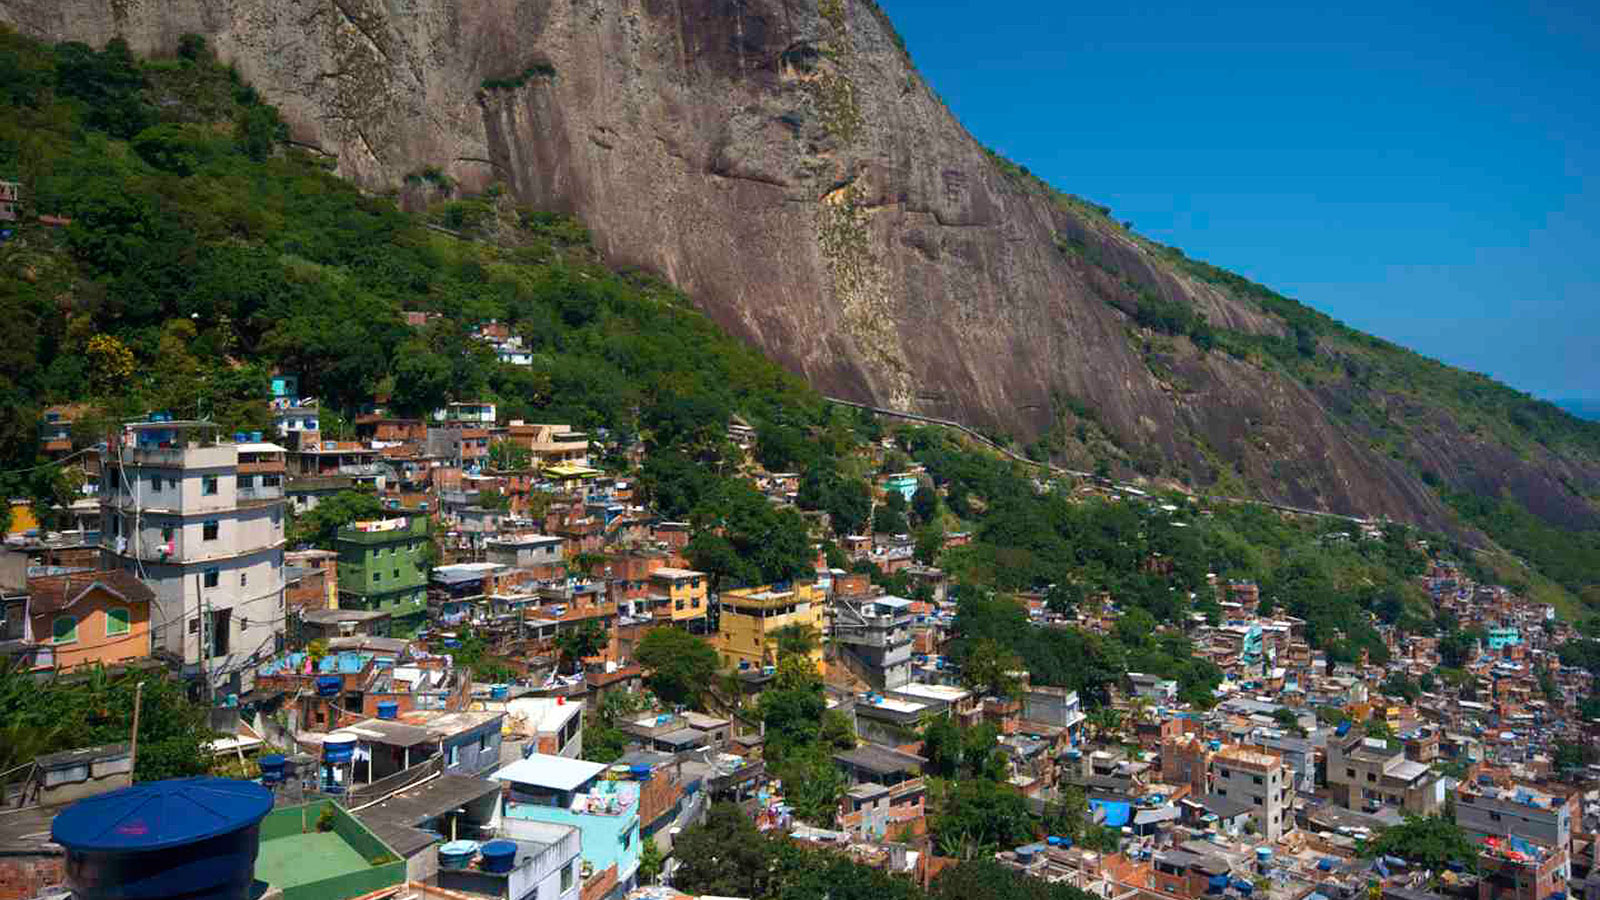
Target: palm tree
[{"x": 796, "y": 639}]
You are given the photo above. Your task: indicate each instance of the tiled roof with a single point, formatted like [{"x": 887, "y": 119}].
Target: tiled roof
[{"x": 57, "y": 592}]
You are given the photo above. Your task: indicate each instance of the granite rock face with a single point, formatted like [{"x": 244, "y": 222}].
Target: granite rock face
[{"x": 782, "y": 162}]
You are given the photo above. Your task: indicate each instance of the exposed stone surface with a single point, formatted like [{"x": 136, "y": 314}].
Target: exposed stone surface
[{"x": 782, "y": 162}]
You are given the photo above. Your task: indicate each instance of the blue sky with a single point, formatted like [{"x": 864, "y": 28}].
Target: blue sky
[{"x": 1427, "y": 173}]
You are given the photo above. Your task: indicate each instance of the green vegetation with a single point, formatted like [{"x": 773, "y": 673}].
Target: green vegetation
[
  {"x": 529, "y": 72},
  {"x": 727, "y": 856},
  {"x": 91, "y": 708},
  {"x": 680, "y": 665},
  {"x": 319, "y": 526},
  {"x": 1430, "y": 842}
]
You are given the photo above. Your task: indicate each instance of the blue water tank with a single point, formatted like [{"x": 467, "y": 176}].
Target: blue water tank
[
  {"x": 499, "y": 856},
  {"x": 388, "y": 709},
  {"x": 338, "y": 747},
  {"x": 271, "y": 768},
  {"x": 329, "y": 685},
  {"x": 499, "y": 691},
  {"x": 457, "y": 854},
  {"x": 187, "y": 839}
]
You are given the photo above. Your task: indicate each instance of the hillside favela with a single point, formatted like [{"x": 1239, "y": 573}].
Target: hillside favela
[{"x": 616, "y": 450}]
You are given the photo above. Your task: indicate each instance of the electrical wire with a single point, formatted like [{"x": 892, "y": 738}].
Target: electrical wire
[{"x": 55, "y": 462}]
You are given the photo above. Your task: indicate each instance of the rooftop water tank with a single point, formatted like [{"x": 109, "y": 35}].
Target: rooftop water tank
[
  {"x": 499, "y": 691},
  {"x": 339, "y": 747},
  {"x": 457, "y": 854},
  {"x": 329, "y": 685},
  {"x": 499, "y": 856},
  {"x": 271, "y": 768},
  {"x": 187, "y": 839},
  {"x": 388, "y": 709}
]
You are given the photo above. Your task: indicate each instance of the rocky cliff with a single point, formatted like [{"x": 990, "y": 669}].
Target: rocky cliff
[{"x": 783, "y": 163}]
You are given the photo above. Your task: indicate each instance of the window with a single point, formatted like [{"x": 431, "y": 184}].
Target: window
[
  {"x": 1258, "y": 801},
  {"x": 1371, "y": 777},
  {"x": 155, "y": 483},
  {"x": 244, "y": 578},
  {"x": 1349, "y": 773},
  {"x": 1256, "y": 779},
  {"x": 271, "y": 480},
  {"x": 247, "y": 482},
  {"x": 395, "y": 574},
  {"x": 117, "y": 621},
  {"x": 194, "y": 625},
  {"x": 568, "y": 876},
  {"x": 213, "y": 577},
  {"x": 455, "y": 755},
  {"x": 210, "y": 530},
  {"x": 64, "y": 630},
  {"x": 377, "y": 577},
  {"x": 208, "y": 485}
]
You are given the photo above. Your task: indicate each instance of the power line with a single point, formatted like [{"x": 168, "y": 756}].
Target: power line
[{"x": 55, "y": 462}]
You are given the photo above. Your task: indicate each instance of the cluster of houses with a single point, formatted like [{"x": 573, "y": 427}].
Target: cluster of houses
[{"x": 343, "y": 678}]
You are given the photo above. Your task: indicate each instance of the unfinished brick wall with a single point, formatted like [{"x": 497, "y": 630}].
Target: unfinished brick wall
[{"x": 24, "y": 877}]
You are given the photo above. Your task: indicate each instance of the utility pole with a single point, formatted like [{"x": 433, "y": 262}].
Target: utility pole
[{"x": 138, "y": 697}]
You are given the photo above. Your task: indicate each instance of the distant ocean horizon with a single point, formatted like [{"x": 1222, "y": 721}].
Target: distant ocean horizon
[{"x": 1583, "y": 409}]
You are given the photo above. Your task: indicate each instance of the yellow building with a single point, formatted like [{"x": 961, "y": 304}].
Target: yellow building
[
  {"x": 750, "y": 616},
  {"x": 678, "y": 595}
]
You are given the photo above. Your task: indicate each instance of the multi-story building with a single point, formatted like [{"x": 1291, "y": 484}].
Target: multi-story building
[
  {"x": 1516, "y": 870},
  {"x": 1260, "y": 779},
  {"x": 551, "y": 445},
  {"x": 873, "y": 637},
  {"x": 383, "y": 566},
  {"x": 750, "y": 617},
  {"x": 346, "y": 459},
  {"x": 473, "y": 413},
  {"x": 55, "y": 429},
  {"x": 200, "y": 520},
  {"x": 543, "y": 555},
  {"x": 1365, "y": 774},
  {"x": 1485, "y": 811},
  {"x": 555, "y": 790},
  {"x": 679, "y": 596}
]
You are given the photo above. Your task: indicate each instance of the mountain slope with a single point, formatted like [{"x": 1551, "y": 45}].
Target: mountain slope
[{"x": 782, "y": 162}]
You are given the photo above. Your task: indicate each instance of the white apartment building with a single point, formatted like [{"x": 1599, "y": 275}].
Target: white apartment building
[
  {"x": 1262, "y": 781},
  {"x": 201, "y": 521}
]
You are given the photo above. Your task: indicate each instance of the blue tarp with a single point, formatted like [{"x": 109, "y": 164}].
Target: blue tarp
[
  {"x": 161, "y": 814},
  {"x": 1117, "y": 814},
  {"x": 1217, "y": 885}
]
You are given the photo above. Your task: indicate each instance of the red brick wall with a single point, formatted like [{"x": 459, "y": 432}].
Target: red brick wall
[
  {"x": 600, "y": 884},
  {"x": 24, "y": 877}
]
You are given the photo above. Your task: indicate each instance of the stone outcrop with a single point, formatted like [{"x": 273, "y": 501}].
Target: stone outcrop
[{"x": 783, "y": 163}]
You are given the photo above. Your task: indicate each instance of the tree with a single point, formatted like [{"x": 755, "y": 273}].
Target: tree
[
  {"x": 798, "y": 640},
  {"x": 886, "y": 520},
  {"x": 989, "y": 667},
  {"x": 506, "y": 456},
  {"x": 651, "y": 860},
  {"x": 577, "y": 644},
  {"x": 930, "y": 543},
  {"x": 1430, "y": 842},
  {"x": 319, "y": 525},
  {"x": 725, "y": 857},
  {"x": 680, "y": 665},
  {"x": 986, "y": 879},
  {"x": 95, "y": 707},
  {"x": 925, "y": 503},
  {"x": 757, "y": 544},
  {"x": 812, "y": 785},
  {"x": 989, "y": 813}
]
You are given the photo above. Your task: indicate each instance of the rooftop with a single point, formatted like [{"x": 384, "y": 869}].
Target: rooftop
[
  {"x": 556, "y": 773},
  {"x": 881, "y": 760}
]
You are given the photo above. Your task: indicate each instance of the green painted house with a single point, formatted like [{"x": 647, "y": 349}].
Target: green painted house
[{"x": 383, "y": 565}]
